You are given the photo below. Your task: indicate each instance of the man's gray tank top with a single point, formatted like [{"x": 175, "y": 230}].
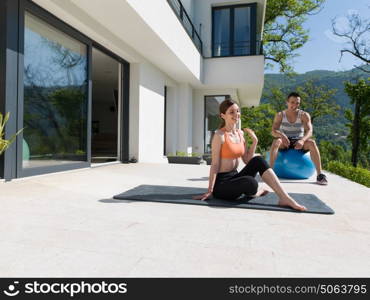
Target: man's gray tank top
[{"x": 292, "y": 130}]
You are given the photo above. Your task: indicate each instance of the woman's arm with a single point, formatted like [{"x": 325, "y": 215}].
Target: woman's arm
[
  {"x": 215, "y": 167},
  {"x": 249, "y": 153}
]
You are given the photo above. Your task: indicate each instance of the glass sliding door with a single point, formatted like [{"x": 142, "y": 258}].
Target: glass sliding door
[
  {"x": 211, "y": 118},
  {"x": 55, "y": 96},
  {"x": 105, "y": 107}
]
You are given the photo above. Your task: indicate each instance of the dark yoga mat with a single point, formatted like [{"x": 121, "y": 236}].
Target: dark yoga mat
[{"x": 183, "y": 195}]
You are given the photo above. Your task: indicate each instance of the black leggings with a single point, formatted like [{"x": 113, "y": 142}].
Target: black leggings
[{"x": 231, "y": 185}]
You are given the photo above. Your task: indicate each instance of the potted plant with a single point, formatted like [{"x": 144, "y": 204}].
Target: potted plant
[
  {"x": 5, "y": 144},
  {"x": 184, "y": 158}
]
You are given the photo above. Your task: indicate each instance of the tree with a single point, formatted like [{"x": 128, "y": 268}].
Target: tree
[
  {"x": 259, "y": 119},
  {"x": 357, "y": 37},
  {"x": 69, "y": 103},
  {"x": 330, "y": 152},
  {"x": 359, "y": 93},
  {"x": 317, "y": 100},
  {"x": 276, "y": 98},
  {"x": 283, "y": 31}
]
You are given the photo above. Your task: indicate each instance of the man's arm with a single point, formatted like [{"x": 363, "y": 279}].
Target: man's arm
[
  {"x": 275, "y": 129},
  {"x": 307, "y": 125}
]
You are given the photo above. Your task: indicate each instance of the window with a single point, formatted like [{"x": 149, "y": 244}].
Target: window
[
  {"x": 234, "y": 30},
  {"x": 55, "y": 96},
  {"x": 212, "y": 118}
]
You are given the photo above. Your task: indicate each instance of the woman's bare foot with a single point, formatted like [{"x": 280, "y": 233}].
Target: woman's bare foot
[
  {"x": 288, "y": 201},
  {"x": 262, "y": 192}
]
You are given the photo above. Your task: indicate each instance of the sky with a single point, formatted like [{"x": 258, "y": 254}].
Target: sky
[{"x": 322, "y": 51}]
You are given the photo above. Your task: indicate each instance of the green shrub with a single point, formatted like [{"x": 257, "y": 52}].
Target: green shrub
[
  {"x": 358, "y": 174},
  {"x": 180, "y": 153},
  {"x": 5, "y": 144},
  {"x": 259, "y": 119},
  {"x": 333, "y": 152}
]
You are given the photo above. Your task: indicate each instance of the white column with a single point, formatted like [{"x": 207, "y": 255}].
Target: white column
[
  {"x": 151, "y": 114},
  {"x": 185, "y": 119},
  {"x": 134, "y": 118},
  {"x": 171, "y": 120},
  {"x": 198, "y": 121}
]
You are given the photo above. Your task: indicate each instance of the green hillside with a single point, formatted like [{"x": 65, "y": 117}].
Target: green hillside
[{"x": 331, "y": 128}]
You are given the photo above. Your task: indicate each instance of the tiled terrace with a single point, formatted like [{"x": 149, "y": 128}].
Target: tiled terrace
[{"x": 67, "y": 224}]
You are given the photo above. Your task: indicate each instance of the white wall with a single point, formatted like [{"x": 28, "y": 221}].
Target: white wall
[
  {"x": 161, "y": 19},
  {"x": 245, "y": 73},
  {"x": 147, "y": 113},
  {"x": 150, "y": 114},
  {"x": 134, "y": 120},
  {"x": 234, "y": 71},
  {"x": 185, "y": 119},
  {"x": 172, "y": 123}
]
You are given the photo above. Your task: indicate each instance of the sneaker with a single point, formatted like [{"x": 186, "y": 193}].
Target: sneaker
[{"x": 321, "y": 179}]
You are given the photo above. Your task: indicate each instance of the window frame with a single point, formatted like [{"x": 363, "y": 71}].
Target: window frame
[{"x": 253, "y": 27}]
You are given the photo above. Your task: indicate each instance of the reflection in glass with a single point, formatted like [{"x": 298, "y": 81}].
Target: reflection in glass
[
  {"x": 242, "y": 31},
  {"x": 232, "y": 31},
  {"x": 55, "y": 96},
  {"x": 212, "y": 119},
  {"x": 221, "y": 31}
]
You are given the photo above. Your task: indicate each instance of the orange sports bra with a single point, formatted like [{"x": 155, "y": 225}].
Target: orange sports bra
[{"x": 230, "y": 149}]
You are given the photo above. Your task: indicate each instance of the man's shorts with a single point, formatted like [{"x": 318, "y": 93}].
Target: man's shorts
[{"x": 292, "y": 142}]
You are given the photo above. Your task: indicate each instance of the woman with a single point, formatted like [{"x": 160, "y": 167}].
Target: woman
[{"x": 228, "y": 145}]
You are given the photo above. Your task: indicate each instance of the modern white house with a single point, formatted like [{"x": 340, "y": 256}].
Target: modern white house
[{"x": 92, "y": 81}]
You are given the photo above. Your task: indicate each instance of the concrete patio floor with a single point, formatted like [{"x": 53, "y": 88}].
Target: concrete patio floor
[{"x": 67, "y": 225}]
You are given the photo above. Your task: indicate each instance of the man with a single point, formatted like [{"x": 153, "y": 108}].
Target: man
[{"x": 292, "y": 128}]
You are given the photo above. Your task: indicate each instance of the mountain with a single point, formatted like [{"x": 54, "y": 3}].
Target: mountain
[
  {"x": 329, "y": 128},
  {"x": 331, "y": 79}
]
